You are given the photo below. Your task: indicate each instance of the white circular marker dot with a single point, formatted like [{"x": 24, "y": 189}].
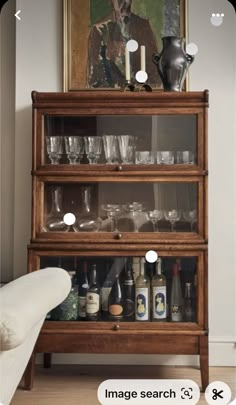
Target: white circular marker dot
[
  {"x": 192, "y": 48},
  {"x": 151, "y": 256},
  {"x": 69, "y": 218},
  {"x": 218, "y": 393},
  {"x": 132, "y": 45},
  {"x": 216, "y": 19},
  {"x": 141, "y": 76}
]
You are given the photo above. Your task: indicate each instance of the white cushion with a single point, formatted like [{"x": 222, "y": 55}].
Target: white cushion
[{"x": 24, "y": 301}]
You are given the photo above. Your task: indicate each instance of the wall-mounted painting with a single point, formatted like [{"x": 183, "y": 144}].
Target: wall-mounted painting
[{"x": 96, "y": 33}]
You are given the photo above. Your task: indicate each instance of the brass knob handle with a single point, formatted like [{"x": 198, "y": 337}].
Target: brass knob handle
[
  {"x": 118, "y": 236},
  {"x": 116, "y": 327},
  {"x": 119, "y": 168}
]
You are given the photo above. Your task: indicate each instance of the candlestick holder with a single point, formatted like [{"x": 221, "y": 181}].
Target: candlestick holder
[
  {"x": 129, "y": 85},
  {"x": 143, "y": 87}
]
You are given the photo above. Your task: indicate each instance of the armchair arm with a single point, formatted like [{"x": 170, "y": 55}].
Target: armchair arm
[{"x": 26, "y": 300}]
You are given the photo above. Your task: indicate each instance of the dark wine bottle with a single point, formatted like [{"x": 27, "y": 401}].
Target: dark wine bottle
[
  {"x": 129, "y": 292},
  {"x": 93, "y": 297},
  {"x": 116, "y": 301},
  {"x": 83, "y": 288}
]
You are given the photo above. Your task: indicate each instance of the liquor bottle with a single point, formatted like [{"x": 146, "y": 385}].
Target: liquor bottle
[
  {"x": 116, "y": 301},
  {"x": 159, "y": 294},
  {"x": 93, "y": 297},
  {"x": 176, "y": 310},
  {"x": 83, "y": 288},
  {"x": 129, "y": 292},
  {"x": 105, "y": 291},
  {"x": 188, "y": 303},
  {"x": 142, "y": 294}
]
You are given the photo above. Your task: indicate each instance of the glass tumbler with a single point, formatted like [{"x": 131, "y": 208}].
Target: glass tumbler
[
  {"x": 165, "y": 158},
  {"x": 74, "y": 146},
  {"x": 126, "y": 146},
  {"x": 93, "y": 148},
  {"x": 110, "y": 148},
  {"x": 54, "y": 148},
  {"x": 185, "y": 157}
]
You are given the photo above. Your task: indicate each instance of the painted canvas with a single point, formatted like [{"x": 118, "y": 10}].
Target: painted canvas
[{"x": 96, "y": 33}]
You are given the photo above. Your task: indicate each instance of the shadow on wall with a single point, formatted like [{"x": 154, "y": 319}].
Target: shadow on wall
[{"x": 22, "y": 196}]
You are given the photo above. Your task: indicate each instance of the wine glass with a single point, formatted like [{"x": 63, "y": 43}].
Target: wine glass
[
  {"x": 172, "y": 216},
  {"x": 134, "y": 209},
  {"x": 191, "y": 217},
  {"x": 74, "y": 146},
  {"x": 54, "y": 148},
  {"x": 113, "y": 211},
  {"x": 93, "y": 148},
  {"x": 155, "y": 216},
  {"x": 110, "y": 148},
  {"x": 126, "y": 146}
]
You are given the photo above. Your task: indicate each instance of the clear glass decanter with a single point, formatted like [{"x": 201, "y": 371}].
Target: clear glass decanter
[
  {"x": 87, "y": 220},
  {"x": 54, "y": 219}
]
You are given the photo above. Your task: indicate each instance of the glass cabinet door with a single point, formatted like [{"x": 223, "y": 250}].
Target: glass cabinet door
[
  {"x": 163, "y": 140},
  {"x": 177, "y": 298},
  {"x": 110, "y": 208}
]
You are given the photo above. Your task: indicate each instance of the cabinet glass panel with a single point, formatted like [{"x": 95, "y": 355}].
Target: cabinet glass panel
[
  {"x": 123, "y": 207},
  {"x": 169, "y": 297},
  {"x": 131, "y": 139}
]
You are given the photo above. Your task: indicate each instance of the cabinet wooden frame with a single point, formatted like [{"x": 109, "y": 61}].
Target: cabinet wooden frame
[{"x": 132, "y": 337}]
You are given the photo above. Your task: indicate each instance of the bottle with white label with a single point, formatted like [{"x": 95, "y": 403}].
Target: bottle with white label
[
  {"x": 176, "y": 310},
  {"x": 105, "y": 291},
  {"x": 159, "y": 294},
  {"x": 83, "y": 288},
  {"x": 142, "y": 294},
  {"x": 93, "y": 297}
]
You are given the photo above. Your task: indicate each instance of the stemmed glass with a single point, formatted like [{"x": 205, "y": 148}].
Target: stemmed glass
[
  {"x": 93, "y": 148},
  {"x": 155, "y": 216},
  {"x": 172, "y": 216},
  {"x": 134, "y": 209},
  {"x": 113, "y": 211},
  {"x": 110, "y": 148},
  {"x": 191, "y": 217},
  {"x": 126, "y": 145},
  {"x": 54, "y": 148},
  {"x": 74, "y": 146}
]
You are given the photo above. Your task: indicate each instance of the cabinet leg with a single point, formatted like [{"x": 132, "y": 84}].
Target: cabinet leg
[
  {"x": 29, "y": 373},
  {"x": 47, "y": 360},
  {"x": 204, "y": 361}
]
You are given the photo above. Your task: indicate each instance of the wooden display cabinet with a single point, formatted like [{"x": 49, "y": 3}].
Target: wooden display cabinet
[{"x": 169, "y": 122}]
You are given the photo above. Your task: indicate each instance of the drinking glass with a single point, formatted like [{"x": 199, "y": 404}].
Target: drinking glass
[
  {"x": 191, "y": 217},
  {"x": 155, "y": 216},
  {"x": 114, "y": 211},
  {"x": 54, "y": 148},
  {"x": 93, "y": 148},
  {"x": 74, "y": 146},
  {"x": 165, "y": 157},
  {"x": 134, "y": 209},
  {"x": 185, "y": 157},
  {"x": 172, "y": 216},
  {"x": 110, "y": 148},
  {"x": 126, "y": 146},
  {"x": 144, "y": 157}
]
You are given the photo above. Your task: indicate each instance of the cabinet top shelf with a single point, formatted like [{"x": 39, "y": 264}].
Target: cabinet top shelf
[{"x": 118, "y": 98}]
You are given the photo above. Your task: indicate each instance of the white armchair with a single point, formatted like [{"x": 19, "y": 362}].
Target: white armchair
[{"x": 24, "y": 304}]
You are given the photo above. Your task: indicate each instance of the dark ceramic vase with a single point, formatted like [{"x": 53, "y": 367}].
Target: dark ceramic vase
[{"x": 172, "y": 63}]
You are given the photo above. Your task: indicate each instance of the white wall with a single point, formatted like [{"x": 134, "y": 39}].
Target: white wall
[
  {"x": 39, "y": 67},
  {"x": 7, "y": 135}
]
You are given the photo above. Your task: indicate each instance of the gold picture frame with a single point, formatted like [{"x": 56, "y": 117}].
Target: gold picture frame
[{"x": 77, "y": 34}]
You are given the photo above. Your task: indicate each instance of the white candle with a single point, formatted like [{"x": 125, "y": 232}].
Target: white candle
[
  {"x": 143, "y": 62},
  {"x": 127, "y": 65}
]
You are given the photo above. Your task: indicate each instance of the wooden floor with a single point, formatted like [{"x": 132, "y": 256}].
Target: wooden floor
[{"x": 77, "y": 385}]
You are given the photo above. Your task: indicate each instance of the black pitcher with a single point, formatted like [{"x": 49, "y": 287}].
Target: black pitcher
[{"x": 173, "y": 63}]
